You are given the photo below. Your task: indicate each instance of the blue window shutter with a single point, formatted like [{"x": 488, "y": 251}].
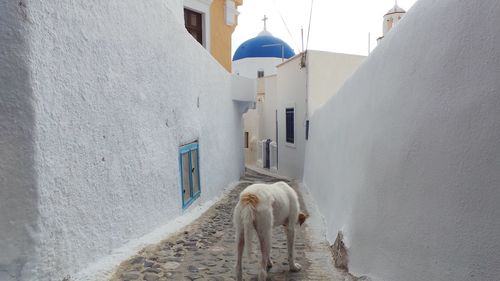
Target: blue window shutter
[
  {"x": 290, "y": 134},
  {"x": 189, "y": 167}
]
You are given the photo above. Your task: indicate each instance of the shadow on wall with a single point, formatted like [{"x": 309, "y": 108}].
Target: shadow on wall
[{"x": 18, "y": 194}]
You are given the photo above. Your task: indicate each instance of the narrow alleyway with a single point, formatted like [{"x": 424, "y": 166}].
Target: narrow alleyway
[{"x": 205, "y": 249}]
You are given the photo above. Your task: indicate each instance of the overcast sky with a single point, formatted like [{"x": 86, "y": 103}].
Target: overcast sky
[{"x": 337, "y": 25}]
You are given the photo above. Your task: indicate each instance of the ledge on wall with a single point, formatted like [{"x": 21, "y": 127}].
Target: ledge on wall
[
  {"x": 244, "y": 92},
  {"x": 243, "y": 89}
]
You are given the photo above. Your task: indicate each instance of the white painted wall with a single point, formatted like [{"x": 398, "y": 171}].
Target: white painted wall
[
  {"x": 291, "y": 86},
  {"x": 243, "y": 89},
  {"x": 323, "y": 75},
  {"x": 405, "y": 158},
  {"x": 18, "y": 194},
  {"x": 327, "y": 73},
  {"x": 248, "y": 67},
  {"x": 267, "y": 121},
  {"x": 94, "y": 120},
  {"x": 251, "y": 125}
]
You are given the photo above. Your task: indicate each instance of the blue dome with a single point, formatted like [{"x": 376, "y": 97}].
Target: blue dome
[{"x": 254, "y": 48}]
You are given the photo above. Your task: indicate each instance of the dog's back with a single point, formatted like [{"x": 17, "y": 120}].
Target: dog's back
[{"x": 266, "y": 194}]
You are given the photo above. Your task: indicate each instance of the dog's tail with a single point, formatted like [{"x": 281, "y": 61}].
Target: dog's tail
[{"x": 248, "y": 202}]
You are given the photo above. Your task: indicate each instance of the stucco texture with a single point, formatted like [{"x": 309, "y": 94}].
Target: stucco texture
[
  {"x": 18, "y": 194},
  {"x": 114, "y": 89},
  {"x": 405, "y": 158}
]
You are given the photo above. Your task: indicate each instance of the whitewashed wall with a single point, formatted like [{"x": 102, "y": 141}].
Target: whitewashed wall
[
  {"x": 267, "y": 119},
  {"x": 405, "y": 158},
  {"x": 327, "y": 73},
  {"x": 291, "y": 87},
  {"x": 18, "y": 194},
  {"x": 324, "y": 74},
  {"x": 251, "y": 122},
  {"x": 94, "y": 120},
  {"x": 248, "y": 67}
]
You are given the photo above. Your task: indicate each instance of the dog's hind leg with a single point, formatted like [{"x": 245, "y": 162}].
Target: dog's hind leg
[
  {"x": 290, "y": 237},
  {"x": 264, "y": 228},
  {"x": 240, "y": 244}
]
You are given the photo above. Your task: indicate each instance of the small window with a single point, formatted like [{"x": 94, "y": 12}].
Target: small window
[
  {"x": 260, "y": 73},
  {"x": 246, "y": 139},
  {"x": 194, "y": 24},
  {"x": 190, "y": 174},
  {"x": 290, "y": 134},
  {"x": 307, "y": 129}
]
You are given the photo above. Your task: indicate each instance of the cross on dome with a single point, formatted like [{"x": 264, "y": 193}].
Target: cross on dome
[{"x": 264, "y": 32}]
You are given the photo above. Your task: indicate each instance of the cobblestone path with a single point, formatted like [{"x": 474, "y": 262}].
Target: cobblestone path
[{"x": 205, "y": 250}]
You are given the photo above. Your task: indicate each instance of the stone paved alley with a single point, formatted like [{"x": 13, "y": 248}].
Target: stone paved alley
[{"x": 204, "y": 250}]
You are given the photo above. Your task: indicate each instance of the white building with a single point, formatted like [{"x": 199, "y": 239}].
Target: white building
[
  {"x": 285, "y": 101},
  {"x": 103, "y": 105},
  {"x": 405, "y": 159}
]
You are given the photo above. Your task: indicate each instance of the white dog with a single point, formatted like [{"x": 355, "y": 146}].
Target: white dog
[{"x": 261, "y": 207}]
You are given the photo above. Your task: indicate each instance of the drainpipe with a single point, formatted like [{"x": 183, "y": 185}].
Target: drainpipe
[{"x": 303, "y": 63}]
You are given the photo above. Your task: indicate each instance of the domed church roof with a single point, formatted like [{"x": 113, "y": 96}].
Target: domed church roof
[{"x": 263, "y": 46}]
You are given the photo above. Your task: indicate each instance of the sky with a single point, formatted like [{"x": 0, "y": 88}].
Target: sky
[{"x": 337, "y": 25}]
